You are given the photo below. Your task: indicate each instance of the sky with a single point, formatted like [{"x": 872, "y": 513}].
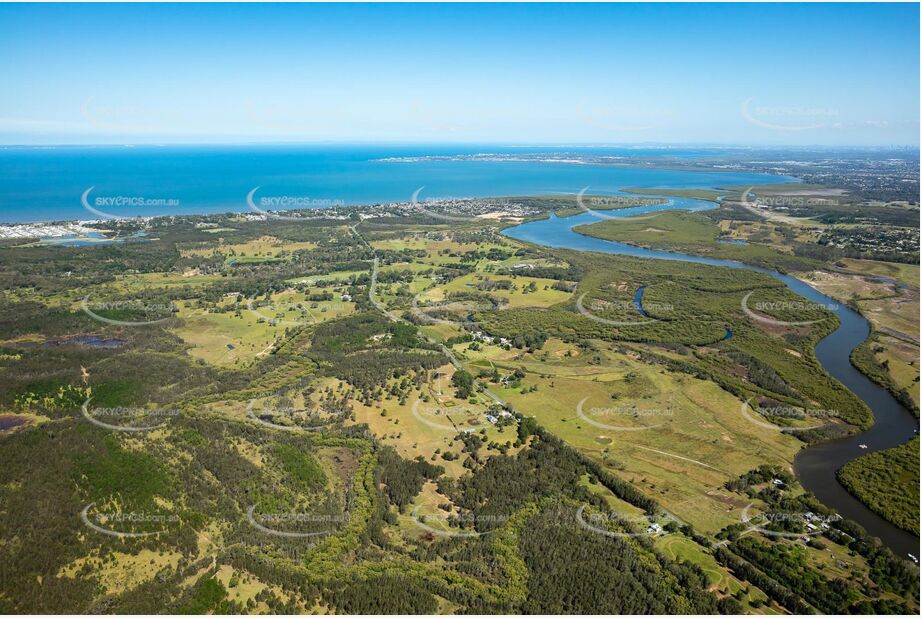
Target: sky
[{"x": 746, "y": 74}]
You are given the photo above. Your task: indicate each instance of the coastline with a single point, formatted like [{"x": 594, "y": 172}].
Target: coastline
[{"x": 70, "y": 184}]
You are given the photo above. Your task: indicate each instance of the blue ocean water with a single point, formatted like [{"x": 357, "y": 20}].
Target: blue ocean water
[{"x": 46, "y": 183}]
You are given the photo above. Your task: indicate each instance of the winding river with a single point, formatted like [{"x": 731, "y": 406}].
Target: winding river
[{"x": 815, "y": 465}]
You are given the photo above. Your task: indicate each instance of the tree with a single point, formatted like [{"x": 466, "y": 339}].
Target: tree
[{"x": 463, "y": 382}]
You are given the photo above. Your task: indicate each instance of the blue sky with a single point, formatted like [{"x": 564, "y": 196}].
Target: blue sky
[{"x": 725, "y": 74}]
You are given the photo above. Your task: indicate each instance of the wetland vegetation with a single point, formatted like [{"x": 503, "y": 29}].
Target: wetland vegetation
[{"x": 400, "y": 415}]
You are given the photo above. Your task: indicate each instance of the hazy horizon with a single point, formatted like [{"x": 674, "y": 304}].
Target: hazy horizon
[{"x": 446, "y": 143}]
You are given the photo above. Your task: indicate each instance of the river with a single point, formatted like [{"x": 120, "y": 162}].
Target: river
[{"x": 815, "y": 465}]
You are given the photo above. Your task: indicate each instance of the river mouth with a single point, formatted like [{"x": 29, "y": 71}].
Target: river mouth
[{"x": 816, "y": 465}]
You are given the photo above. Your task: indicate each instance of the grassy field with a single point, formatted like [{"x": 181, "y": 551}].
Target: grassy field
[
  {"x": 293, "y": 307},
  {"x": 236, "y": 337},
  {"x": 225, "y": 339},
  {"x": 120, "y": 286},
  {"x": 681, "y": 548},
  {"x": 340, "y": 276},
  {"x": 169, "y": 281},
  {"x": 900, "y": 358},
  {"x": 721, "y": 580},
  {"x": 516, "y": 297},
  {"x": 886, "y": 305},
  {"x": 893, "y": 312},
  {"x": 427, "y": 511},
  {"x": 258, "y": 249},
  {"x": 653, "y": 410},
  {"x": 906, "y": 273},
  {"x": 676, "y": 437},
  {"x": 242, "y": 587},
  {"x": 428, "y": 423},
  {"x": 441, "y": 244},
  {"x": 124, "y": 571},
  {"x": 893, "y": 363},
  {"x": 488, "y": 264},
  {"x": 767, "y": 233},
  {"x": 691, "y": 233}
]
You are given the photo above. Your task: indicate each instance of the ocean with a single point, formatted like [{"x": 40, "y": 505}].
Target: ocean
[{"x": 41, "y": 184}]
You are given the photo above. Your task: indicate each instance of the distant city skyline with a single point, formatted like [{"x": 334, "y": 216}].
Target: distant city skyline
[{"x": 731, "y": 74}]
